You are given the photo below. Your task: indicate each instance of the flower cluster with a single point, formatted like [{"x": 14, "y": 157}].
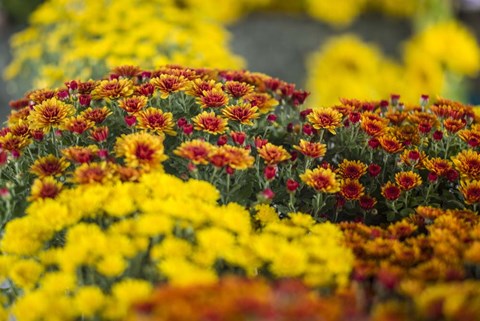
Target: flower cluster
[
  {"x": 246, "y": 134},
  {"x": 85, "y": 39},
  {"x": 99, "y": 247},
  {"x": 428, "y": 65}
]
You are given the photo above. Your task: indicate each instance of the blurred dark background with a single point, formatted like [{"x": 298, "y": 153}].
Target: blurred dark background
[{"x": 274, "y": 43}]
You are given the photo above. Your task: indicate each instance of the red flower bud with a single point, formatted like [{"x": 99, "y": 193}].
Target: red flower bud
[
  {"x": 414, "y": 155},
  {"x": 270, "y": 172},
  {"x": 72, "y": 85},
  {"x": 354, "y": 117},
  {"x": 374, "y": 169},
  {"x": 188, "y": 129},
  {"x": 103, "y": 154},
  {"x": 373, "y": 143},
  {"x": 222, "y": 140},
  {"x": 238, "y": 137},
  {"x": 37, "y": 134},
  {"x": 452, "y": 175},
  {"x": 305, "y": 113},
  {"x": 290, "y": 127},
  {"x": 130, "y": 120},
  {"x": 292, "y": 185},
  {"x": 5, "y": 193},
  {"x": 181, "y": 122},
  {"x": 62, "y": 94},
  {"x": 85, "y": 100},
  {"x": 293, "y": 155},
  {"x": 437, "y": 135},
  {"x": 394, "y": 98},
  {"x": 3, "y": 157},
  {"x": 146, "y": 74},
  {"x": 432, "y": 177},
  {"x": 268, "y": 194},
  {"x": 384, "y": 104},
  {"x": 15, "y": 153},
  {"x": 259, "y": 143},
  {"x": 424, "y": 128},
  {"x": 299, "y": 97},
  {"x": 272, "y": 118},
  {"x": 229, "y": 170},
  {"x": 307, "y": 129}
]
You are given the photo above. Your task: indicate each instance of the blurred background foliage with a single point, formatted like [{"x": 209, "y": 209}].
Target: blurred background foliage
[{"x": 365, "y": 49}]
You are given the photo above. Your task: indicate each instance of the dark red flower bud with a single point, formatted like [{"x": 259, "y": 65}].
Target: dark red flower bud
[
  {"x": 4, "y": 193},
  {"x": 229, "y": 170},
  {"x": 305, "y": 113},
  {"x": 187, "y": 129},
  {"x": 374, "y": 169},
  {"x": 146, "y": 74},
  {"x": 307, "y": 129},
  {"x": 222, "y": 140},
  {"x": 424, "y": 128},
  {"x": 259, "y": 143},
  {"x": 394, "y": 98},
  {"x": 84, "y": 100},
  {"x": 452, "y": 175},
  {"x": 3, "y": 157},
  {"x": 270, "y": 172},
  {"x": 432, "y": 177},
  {"x": 367, "y": 202},
  {"x": 62, "y": 94},
  {"x": 130, "y": 120},
  {"x": 373, "y": 143},
  {"x": 272, "y": 118},
  {"x": 114, "y": 76},
  {"x": 292, "y": 185},
  {"x": 290, "y": 127},
  {"x": 354, "y": 117},
  {"x": 268, "y": 194},
  {"x": 103, "y": 154},
  {"x": 72, "y": 85},
  {"x": 299, "y": 97},
  {"x": 287, "y": 89},
  {"x": 293, "y": 155},
  {"x": 437, "y": 135},
  {"x": 37, "y": 134},
  {"x": 182, "y": 122},
  {"x": 384, "y": 104},
  {"x": 414, "y": 155},
  {"x": 238, "y": 137},
  {"x": 15, "y": 153}
]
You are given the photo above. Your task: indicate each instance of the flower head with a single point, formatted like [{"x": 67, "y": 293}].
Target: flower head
[
  {"x": 156, "y": 120},
  {"x": 390, "y": 144},
  {"x": 264, "y": 102},
  {"x": 352, "y": 189},
  {"x": 243, "y": 113},
  {"x": 97, "y": 115},
  {"x": 470, "y": 190},
  {"x": 408, "y": 180},
  {"x": 210, "y": 123},
  {"x": 232, "y": 156},
  {"x": 77, "y": 124},
  {"x": 80, "y": 154},
  {"x": 133, "y": 104},
  {"x": 325, "y": 118},
  {"x": 437, "y": 165},
  {"x": 213, "y": 98},
  {"x": 391, "y": 191},
  {"x": 323, "y": 180},
  {"x": 13, "y": 143},
  {"x": 238, "y": 89},
  {"x": 273, "y": 154},
  {"x": 46, "y": 187},
  {"x": 168, "y": 84},
  {"x": 467, "y": 163},
  {"x": 198, "y": 86},
  {"x": 89, "y": 173},
  {"x": 141, "y": 150},
  {"x": 352, "y": 169},
  {"x": 311, "y": 149},
  {"x": 196, "y": 151},
  {"x": 49, "y": 166},
  {"x": 112, "y": 89},
  {"x": 51, "y": 113}
]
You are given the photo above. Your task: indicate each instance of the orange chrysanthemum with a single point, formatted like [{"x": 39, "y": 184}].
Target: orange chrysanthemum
[
  {"x": 352, "y": 189},
  {"x": 128, "y": 174},
  {"x": 49, "y": 114},
  {"x": 390, "y": 144},
  {"x": 454, "y": 125},
  {"x": 97, "y": 115},
  {"x": 470, "y": 136},
  {"x": 168, "y": 84},
  {"x": 235, "y": 157},
  {"x": 133, "y": 104},
  {"x": 413, "y": 157},
  {"x": 88, "y": 173},
  {"x": 352, "y": 169},
  {"x": 196, "y": 151},
  {"x": 77, "y": 124},
  {"x": 214, "y": 98},
  {"x": 197, "y": 86},
  {"x": 273, "y": 154},
  {"x": 263, "y": 101},
  {"x": 420, "y": 117},
  {"x": 373, "y": 127},
  {"x": 21, "y": 129},
  {"x": 467, "y": 163},
  {"x": 111, "y": 89},
  {"x": 408, "y": 180},
  {"x": 49, "y": 166},
  {"x": 210, "y": 123},
  {"x": 80, "y": 154},
  {"x": 311, "y": 149},
  {"x": 19, "y": 115},
  {"x": 39, "y": 95},
  {"x": 13, "y": 142},
  {"x": 46, "y": 187},
  {"x": 325, "y": 118},
  {"x": 470, "y": 190},
  {"x": 323, "y": 180},
  {"x": 238, "y": 89},
  {"x": 396, "y": 117},
  {"x": 99, "y": 134},
  {"x": 437, "y": 165},
  {"x": 127, "y": 71},
  {"x": 156, "y": 120},
  {"x": 141, "y": 150},
  {"x": 391, "y": 191},
  {"x": 242, "y": 113}
]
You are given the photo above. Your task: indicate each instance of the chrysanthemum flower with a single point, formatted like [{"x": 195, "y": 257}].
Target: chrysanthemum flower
[
  {"x": 263, "y": 101},
  {"x": 77, "y": 124},
  {"x": 242, "y": 113},
  {"x": 419, "y": 117},
  {"x": 373, "y": 127},
  {"x": 437, "y": 165},
  {"x": 390, "y": 144},
  {"x": 46, "y": 187},
  {"x": 49, "y": 114},
  {"x": 49, "y": 166},
  {"x": 352, "y": 169},
  {"x": 18, "y": 116},
  {"x": 13, "y": 143},
  {"x": 21, "y": 129},
  {"x": 413, "y": 157},
  {"x": 367, "y": 202},
  {"x": 80, "y": 154},
  {"x": 311, "y": 149},
  {"x": 325, "y": 118},
  {"x": 470, "y": 136},
  {"x": 273, "y": 154},
  {"x": 97, "y": 115},
  {"x": 408, "y": 180},
  {"x": 127, "y": 71},
  {"x": 467, "y": 163},
  {"x": 396, "y": 117},
  {"x": 133, "y": 104},
  {"x": 323, "y": 180},
  {"x": 210, "y": 123},
  {"x": 238, "y": 89},
  {"x": 352, "y": 189},
  {"x": 197, "y": 86},
  {"x": 168, "y": 84},
  {"x": 141, "y": 150},
  {"x": 99, "y": 134},
  {"x": 196, "y": 151},
  {"x": 391, "y": 191},
  {"x": 214, "y": 98},
  {"x": 470, "y": 190},
  {"x": 238, "y": 157},
  {"x": 454, "y": 125},
  {"x": 88, "y": 173},
  {"x": 111, "y": 89},
  {"x": 156, "y": 120}
]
